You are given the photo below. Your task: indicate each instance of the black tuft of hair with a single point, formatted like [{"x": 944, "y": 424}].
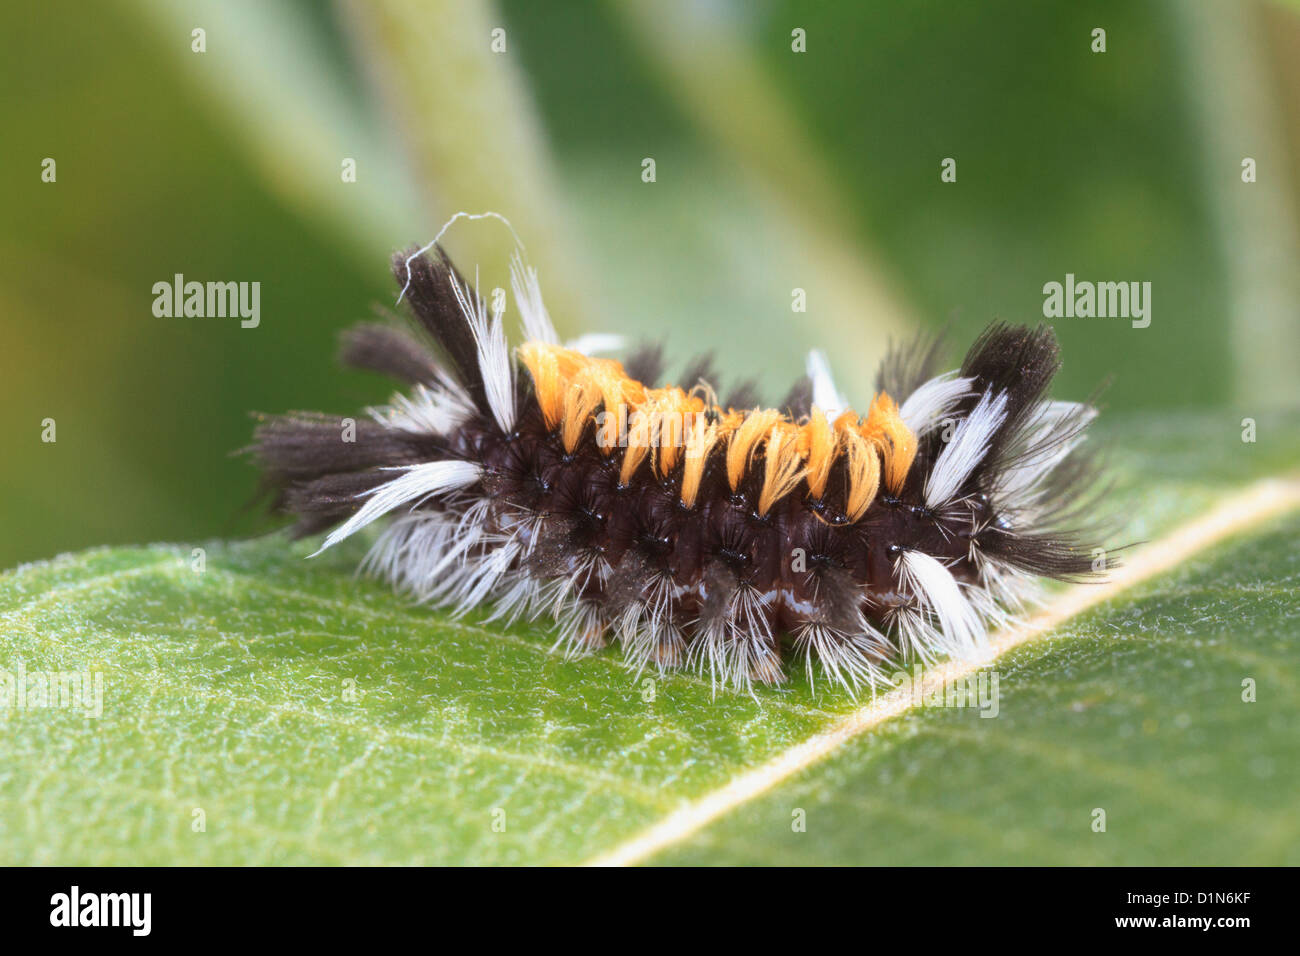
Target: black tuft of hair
[
  {"x": 700, "y": 370},
  {"x": 307, "y": 464},
  {"x": 1019, "y": 362},
  {"x": 433, "y": 303},
  {"x": 910, "y": 364},
  {"x": 329, "y": 499},
  {"x": 388, "y": 350},
  {"x": 646, "y": 364},
  {"x": 744, "y": 395},
  {"x": 798, "y": 401}
]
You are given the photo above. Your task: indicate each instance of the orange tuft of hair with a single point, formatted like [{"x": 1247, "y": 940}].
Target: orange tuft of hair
[{"x": 679, "y": 431}]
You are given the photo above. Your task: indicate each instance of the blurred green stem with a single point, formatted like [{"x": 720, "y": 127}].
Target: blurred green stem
[
  {"x": 1239, "y": 117},
  {"x": 720, "y": 83},
  {"x": 474, "y": 140},
  {"x": 283, "y": 99}
]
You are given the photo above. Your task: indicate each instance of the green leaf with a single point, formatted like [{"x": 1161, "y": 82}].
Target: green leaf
[{"x": 301, "y": 715}]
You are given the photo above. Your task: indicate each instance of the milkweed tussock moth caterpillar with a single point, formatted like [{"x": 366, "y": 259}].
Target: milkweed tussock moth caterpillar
[{"x": 695, "y": 532}]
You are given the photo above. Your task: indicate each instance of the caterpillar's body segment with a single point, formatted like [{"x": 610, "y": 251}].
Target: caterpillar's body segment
[{"x": 693, "y": 531}]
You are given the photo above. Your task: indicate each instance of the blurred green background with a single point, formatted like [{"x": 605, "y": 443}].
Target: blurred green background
[{"x": 775, "y": 170}]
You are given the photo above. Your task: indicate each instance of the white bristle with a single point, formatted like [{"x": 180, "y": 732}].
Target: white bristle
[
  {"x": 528, "y": 297},
  {"x": 824, "y": 393},
  {"x": 418, "y": 482},
  {"x": 962, "y": 632},
  {"x": 925, "y": 408},
  {"x": 969, "y": 445},
  {"x": 494, "y": 359}
]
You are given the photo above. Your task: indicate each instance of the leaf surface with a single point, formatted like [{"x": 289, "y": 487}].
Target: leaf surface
[{"x": 269, "y": 709}]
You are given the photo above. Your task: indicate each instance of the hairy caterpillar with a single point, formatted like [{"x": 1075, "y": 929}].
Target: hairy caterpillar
[{"x": 719, "y": 535}]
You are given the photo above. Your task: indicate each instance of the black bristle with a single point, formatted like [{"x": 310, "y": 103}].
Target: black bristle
[
  {"x": 1060, "y": 555},
  {"x": 305, "y": 445},
  {"x": 1019, "y": 362},
  {"x": 334, "y": 496},
  {"x": 1014, "y": 359},
  {"x": 388, "y": 350},
  {"x": 646, "y": 364},
  {"x": 742, "y": 396},
  {"x": 798, "y": 401},
  {"x": 701, "y": 370},
  {"x": 428, "y": 285},
  {"x": 908, "y": 365}
]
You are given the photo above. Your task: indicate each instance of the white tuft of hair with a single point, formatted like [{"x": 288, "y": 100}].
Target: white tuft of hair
[
  {"x": 739, "y": 648},
  {"x": 484, "y": 573},
  {"x": 528, "y": 296},
  {"x": 582, "y": 627},
  {"x": 961, "y": 629},
  {"x": 1048, "y": 435},
  {"x": 825, "y": 395},
  {"x": 494, "y": 358},
  {"x": 925, "y": 408},
  {"x": 438, "y": 410},
  {"x": 848, "y": 659},
  {"x": 969, "y": 445},
  {"x": 418, "y": 483},
  {"x": 594, "y": 343}
]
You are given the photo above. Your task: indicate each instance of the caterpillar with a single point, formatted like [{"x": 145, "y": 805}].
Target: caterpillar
[{"x": 696, "y": 532}]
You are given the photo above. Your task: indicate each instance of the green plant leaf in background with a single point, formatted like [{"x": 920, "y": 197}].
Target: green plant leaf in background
[
  {"x": 815, "y": 171},
  {"x": 258, "y": 708}
]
